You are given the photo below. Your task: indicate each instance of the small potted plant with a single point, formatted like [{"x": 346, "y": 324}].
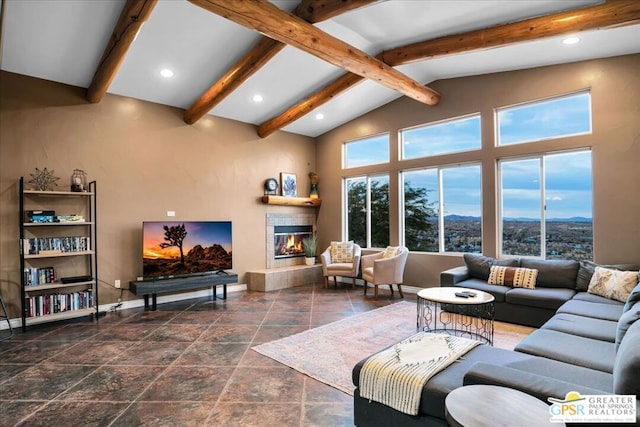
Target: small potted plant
[{"x": 309, "y": 246}]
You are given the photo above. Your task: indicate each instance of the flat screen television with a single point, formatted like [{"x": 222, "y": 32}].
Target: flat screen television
[{"x": 182, "y": 248}]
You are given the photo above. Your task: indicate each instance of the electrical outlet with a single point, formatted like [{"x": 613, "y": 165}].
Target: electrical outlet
[
  {"x": 117, "y": 283},
  {"x": 171, "y": 213}
]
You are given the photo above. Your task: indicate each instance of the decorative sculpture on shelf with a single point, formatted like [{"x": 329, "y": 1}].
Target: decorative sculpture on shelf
[
  {"x": 313, "y": 178},
  {"x": 79, "y": 181},
  {"x": 43, "y": 180}
]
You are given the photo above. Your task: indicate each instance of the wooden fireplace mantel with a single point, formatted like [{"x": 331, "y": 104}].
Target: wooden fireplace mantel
[{"x": 291, "y": 201}]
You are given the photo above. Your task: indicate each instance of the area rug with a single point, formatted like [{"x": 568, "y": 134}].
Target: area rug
[{"x": 329, "y": 352}]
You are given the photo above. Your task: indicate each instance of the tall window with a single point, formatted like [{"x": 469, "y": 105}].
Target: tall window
[
  {"x": 367, "y": 151},
  {"x": 547, "y": 206},
  {"x": 551, "y": 118},
  {"x": 367, "y": 215},
  {"x": 446, "y": 137},
  {"x": 443, "y": 209}
]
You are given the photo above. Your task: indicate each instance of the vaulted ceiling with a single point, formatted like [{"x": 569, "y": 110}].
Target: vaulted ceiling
[{"x": 337, "y": 58}]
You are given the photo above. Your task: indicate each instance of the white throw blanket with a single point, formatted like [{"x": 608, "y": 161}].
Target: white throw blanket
[{"x": 395, "y": 376}]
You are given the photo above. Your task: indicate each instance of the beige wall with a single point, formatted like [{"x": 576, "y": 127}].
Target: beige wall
[
  {"x": 146, "y": 161},
  {"x": 615, "y": 143}
]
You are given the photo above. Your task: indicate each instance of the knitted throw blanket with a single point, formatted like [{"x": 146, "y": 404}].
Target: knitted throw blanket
[{"x": 395, "y": 376}]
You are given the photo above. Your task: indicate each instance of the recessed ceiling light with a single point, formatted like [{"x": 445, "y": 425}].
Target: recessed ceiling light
[
  {"x": 319, "y": 116},
  {"x": 166, "y": 73},
  {"x": 257, "y": 98},
  {"x": 571, "y": 40}
]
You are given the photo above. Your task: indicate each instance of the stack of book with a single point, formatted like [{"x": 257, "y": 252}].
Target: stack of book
[{"x": 38, "y": 276}]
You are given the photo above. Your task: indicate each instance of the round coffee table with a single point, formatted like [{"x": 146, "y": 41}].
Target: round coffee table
[
  {"x": 441, "y": 310},
  {"x": 492, "y": 406}
]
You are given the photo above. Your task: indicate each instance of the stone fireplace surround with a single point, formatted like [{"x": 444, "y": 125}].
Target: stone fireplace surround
[{"x": 285, "y": 219}]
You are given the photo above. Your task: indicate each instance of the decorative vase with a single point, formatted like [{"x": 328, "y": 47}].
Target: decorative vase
[
  {"x": 310, "y": 260},
  {"x": 313, "y": 178}
]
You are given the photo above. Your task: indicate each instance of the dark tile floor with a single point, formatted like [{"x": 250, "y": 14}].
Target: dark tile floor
[{"x": 189, "y": 363}]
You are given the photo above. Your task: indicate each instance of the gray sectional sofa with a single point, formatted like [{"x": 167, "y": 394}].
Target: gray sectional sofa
[
  {"x": 588, "y": 344},
  {"x": 558, "y": 281}
]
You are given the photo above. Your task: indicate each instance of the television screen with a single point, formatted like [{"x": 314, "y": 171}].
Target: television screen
[{"x": 178, "y": 248}]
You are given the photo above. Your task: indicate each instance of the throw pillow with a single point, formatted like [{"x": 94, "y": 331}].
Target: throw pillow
[
  {"x": 341, "y": 251},
  {"x": 587, "y": 268},
  {"x": 390, "y": 252},
  {"x": 512, "y": 276},
  {"x": 612, "y": 284},
  {"x": 479, "y": 266}
]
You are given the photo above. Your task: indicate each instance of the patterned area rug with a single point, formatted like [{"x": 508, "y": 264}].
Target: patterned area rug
[{"x": 329, "y": 352}]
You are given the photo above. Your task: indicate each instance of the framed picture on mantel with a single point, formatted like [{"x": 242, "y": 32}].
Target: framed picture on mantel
[{"x": 288, "y": 184}]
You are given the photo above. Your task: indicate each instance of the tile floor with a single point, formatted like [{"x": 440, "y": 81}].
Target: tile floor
[{"x": 189, "y": 363}]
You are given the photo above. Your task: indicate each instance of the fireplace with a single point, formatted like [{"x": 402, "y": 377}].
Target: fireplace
[
  {"x": 288, "y": 240},
  {"x": 281, "y": 251}
]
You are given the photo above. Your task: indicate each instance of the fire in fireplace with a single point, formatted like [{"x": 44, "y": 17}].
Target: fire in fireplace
[{"x": 288, "y": 240}]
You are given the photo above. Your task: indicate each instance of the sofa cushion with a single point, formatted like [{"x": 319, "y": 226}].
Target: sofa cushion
[
  {"x": 592, "y": 309},
  {"x": 541, "y": 378},
  {"x": 539, "y": 297},
  {"x": 587, "y": 268},
  {"x": 571, "y": 349},
  {"x": 479, "y": 266},
  {"x": 627, "y": 364},
  {"x": 627, "y": 319},
  {"x": 633, "y": 298},
  {"x": 585, "y": 296},
  {"x": 512, "y": 276},
  {"x": 588, "y": 327},
  {"x": 497, "y": 291},
  {"x": 614, "y": 284},
  {"x": 553, "y": 273}
]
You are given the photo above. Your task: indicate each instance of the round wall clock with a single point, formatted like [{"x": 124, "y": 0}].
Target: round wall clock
[{"x": 270, "y": 186}]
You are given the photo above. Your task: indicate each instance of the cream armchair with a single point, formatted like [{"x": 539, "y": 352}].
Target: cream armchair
[
  {"x": 385, "y": 268},
  {"x": 341, "y": 259}
]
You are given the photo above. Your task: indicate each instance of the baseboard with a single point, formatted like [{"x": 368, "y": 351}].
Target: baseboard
[
  {"x": 103, "y": 308},
  {"x": 359, "y": 282}
]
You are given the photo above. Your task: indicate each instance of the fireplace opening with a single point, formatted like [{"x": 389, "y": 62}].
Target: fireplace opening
[{"x": 288, "y": 240}]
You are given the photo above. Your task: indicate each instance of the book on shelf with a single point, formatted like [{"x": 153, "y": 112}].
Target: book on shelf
[
  {"x": 42, "y": 305},
  {"x": 39, "y": 276},
  {"x": 55, "y": 245}
]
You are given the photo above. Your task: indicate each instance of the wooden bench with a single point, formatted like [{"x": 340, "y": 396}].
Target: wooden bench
[{"x": 154, "y": 287}]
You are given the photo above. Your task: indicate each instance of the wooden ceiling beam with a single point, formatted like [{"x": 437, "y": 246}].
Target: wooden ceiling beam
[
  {"x": 309, "y": 10},
  {"x": 341, "y": 84},
  {"x": 275, "y": 23},
  {"x": 610, "y": 14},
  {"x": 133, "y": 15}
]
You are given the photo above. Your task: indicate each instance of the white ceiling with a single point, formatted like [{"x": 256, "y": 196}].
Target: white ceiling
[{"x": 63, "y": 41}]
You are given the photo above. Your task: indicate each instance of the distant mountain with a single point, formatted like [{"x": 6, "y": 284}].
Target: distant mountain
[{"x": 521, "y": 219}]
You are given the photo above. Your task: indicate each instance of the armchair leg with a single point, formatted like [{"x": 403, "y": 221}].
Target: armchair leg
[
  {"x": 326, "y": 282},
  {"x": 375, "y": 291},
  {"x": 400, "y": 290},
  {"x": 391, "y": 287},
  {"x": 365, "y": 287},
  {"x": 353, "y": 285},
  {"x": 335, "y": 282}
]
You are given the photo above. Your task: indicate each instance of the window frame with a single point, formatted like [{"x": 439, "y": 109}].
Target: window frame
[
  {"x": 440, "y": 208},
  {"x": 401, "y": 145},
  {"x": 345, "y": 216},
  {"x": 499, "y": 110},
  {"x": 363, "y": 139},
  {"x": 541, "y": 157}
]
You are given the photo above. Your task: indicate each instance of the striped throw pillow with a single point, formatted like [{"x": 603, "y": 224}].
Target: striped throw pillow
[{"x": 513, "y": 276}]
